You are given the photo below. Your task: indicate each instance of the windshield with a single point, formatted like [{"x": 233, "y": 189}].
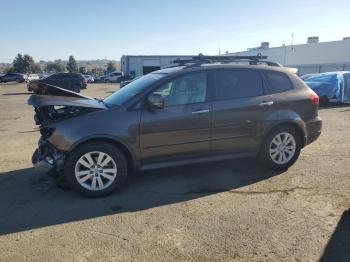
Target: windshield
[
  {"x": 328, "y": 78},
  {"x": 122, "y": 95}
]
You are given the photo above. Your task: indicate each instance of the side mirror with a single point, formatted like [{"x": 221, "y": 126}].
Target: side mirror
[{"x": 155, "y": 101}]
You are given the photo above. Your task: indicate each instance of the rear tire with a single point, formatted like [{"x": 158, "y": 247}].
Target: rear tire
[
  {"x": 99, "y": 156},
  {"x": 281, "y": 148},
  {"x": 76, "y": 88}
]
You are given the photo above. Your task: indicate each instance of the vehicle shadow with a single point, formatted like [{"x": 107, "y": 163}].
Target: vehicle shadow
[
  {"x": 30, "y": 200},
  {"x": 16, "y": 94},
  {"x": 338, "y": 247}
]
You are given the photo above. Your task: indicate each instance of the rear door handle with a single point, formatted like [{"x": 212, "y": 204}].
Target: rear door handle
[
  {"x": 266, "y": 103},
  {"x": 201, "y": 111}
]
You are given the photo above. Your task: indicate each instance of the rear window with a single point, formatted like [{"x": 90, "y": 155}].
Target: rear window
[
  {"x": 277, "y": 82},
  {"x": 237, "y": 84}
]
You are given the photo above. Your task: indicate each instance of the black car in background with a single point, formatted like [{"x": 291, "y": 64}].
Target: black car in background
[
  {"x": 13, "y": 77},
  {"x": 70, "y": 81}
]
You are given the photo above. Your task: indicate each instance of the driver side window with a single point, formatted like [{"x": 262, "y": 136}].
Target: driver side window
[{"x": 188, "y": 89}]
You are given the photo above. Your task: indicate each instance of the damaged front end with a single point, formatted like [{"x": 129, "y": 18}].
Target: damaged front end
[
  {"x": 47, "y": 158},
  {"x": 50, "y": 110}
]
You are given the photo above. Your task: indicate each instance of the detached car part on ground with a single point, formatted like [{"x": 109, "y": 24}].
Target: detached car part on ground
[
  {"x": 175, "y": 116},
  {"x": 331, "y": 86}
]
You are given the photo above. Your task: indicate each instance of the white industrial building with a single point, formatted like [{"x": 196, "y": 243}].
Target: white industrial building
[
  {"x": 141, "y": 65},
  {"x": 312, "y": 57}
]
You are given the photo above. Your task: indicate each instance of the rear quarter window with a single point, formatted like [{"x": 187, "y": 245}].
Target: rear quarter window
[{"x": 277, "y": 82}]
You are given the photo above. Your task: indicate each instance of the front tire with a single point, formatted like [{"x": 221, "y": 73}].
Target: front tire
[
  {"x": 96, "y": 169},
  {"x": 281, "y": 148}
]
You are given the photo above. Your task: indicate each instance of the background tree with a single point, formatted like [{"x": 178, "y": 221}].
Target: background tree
[
  {"x": 23, "y": 64},
  {"x": 55, "y": 67},
  {"x": 111, "y": 67},
  {"x": 18, "y": 64},
  {"x": 28, "y": 62},
  {"x": 72, "y": 66}
]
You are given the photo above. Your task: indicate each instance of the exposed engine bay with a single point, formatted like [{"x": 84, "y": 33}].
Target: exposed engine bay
[
  {"x": 50, "y": 109},
  {"x": 53, "y": 108},
  {"x": 50, "y": 114}
]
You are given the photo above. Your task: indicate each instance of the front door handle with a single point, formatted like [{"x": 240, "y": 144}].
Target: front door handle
[
  {"x": 266, "y": 103},
  {"x": 201, "y": 111}
]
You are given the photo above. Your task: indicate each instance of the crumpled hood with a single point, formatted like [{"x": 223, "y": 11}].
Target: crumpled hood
[
  {"x": 38, "y": 101},
  {"x": 40, "y": 85}
]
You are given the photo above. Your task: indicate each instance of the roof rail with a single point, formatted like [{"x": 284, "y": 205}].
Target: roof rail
[{"x": 203, "y": 59}]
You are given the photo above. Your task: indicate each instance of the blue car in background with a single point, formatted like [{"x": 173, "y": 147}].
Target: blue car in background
[{"x": 331, "y": 86}]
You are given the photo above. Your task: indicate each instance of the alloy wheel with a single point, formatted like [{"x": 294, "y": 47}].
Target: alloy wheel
[
  {"x": 282, "y": 148},
  {"x": 95, "y": 170}
]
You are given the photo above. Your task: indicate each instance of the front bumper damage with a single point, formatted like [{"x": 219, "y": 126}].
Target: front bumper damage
[{"x": 47, "y": 158}]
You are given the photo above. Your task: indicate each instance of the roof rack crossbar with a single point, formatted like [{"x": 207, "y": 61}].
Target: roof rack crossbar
[{"x": 202, "y": 59}]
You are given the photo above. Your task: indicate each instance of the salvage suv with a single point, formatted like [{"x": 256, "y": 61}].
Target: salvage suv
[{"x": 205, "y": 109}]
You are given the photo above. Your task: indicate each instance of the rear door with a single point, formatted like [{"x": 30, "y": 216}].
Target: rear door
[
  {"x": 182, "y": 128},
  {"x": 280, "y": 86},
  {"x": 241, "y": 108}
]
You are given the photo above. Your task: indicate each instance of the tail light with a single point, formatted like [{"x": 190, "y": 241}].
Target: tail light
[{"x": 314, "y": 98}]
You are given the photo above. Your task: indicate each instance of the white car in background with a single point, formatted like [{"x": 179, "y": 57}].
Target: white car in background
[
  {"x": 31, "y": 77},
  {"x": 113, "y": 77},
  {"x": 89, "y": 78}
]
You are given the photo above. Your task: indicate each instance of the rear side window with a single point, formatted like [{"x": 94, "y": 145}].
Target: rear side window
[
  {"x": 277, "y": 82},
  {"x": 237, "y": 84}
]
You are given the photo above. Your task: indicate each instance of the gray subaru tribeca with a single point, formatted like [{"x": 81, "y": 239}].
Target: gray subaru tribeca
[{"x": 199, "y": 111}]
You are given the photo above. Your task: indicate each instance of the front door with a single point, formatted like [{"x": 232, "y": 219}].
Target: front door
[{"x": 182, "y": 127}]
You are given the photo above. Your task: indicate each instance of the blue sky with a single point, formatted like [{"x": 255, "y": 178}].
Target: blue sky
[{"x": 97, "y": 29}]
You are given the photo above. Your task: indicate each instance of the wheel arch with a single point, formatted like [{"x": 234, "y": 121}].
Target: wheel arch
[{"x": 296, "y": 125}]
